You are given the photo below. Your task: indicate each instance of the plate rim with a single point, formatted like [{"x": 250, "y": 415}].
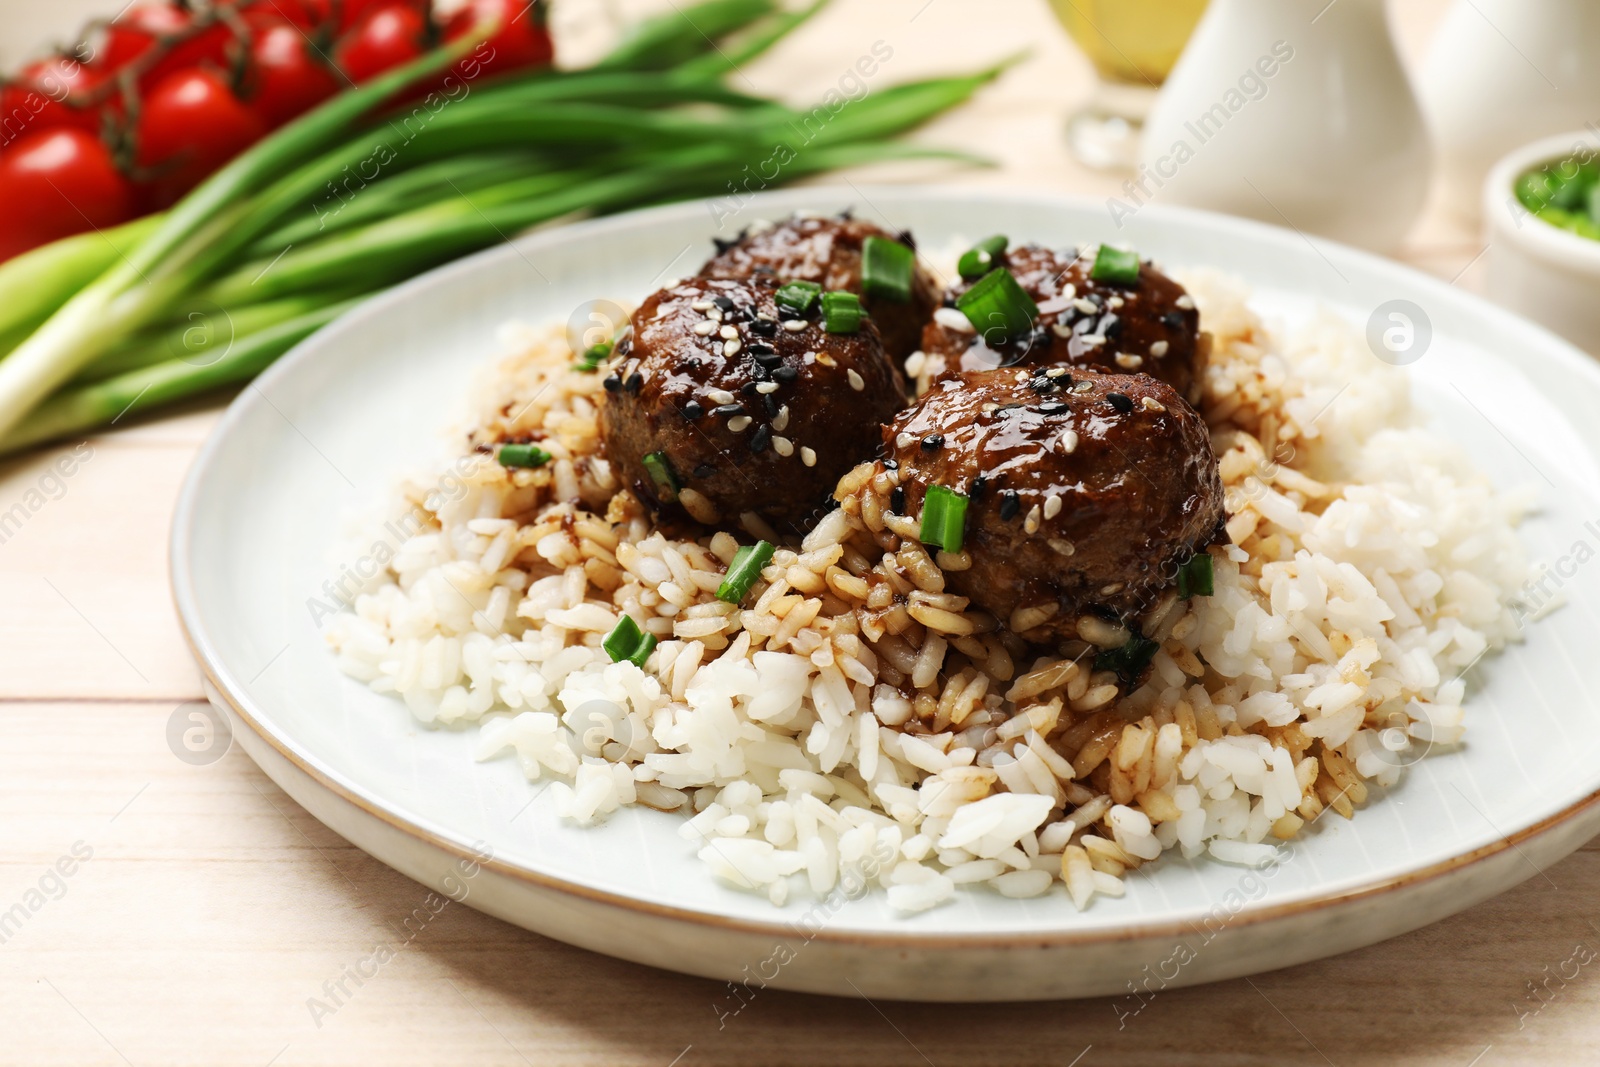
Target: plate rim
[{"x": 193, "y": 628}]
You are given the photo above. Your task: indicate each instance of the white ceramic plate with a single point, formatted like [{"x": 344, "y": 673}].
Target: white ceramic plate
[{"x": 326, "y": 430}]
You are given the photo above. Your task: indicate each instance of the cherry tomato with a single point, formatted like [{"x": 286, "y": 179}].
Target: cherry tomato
[
  {"x": 306, "y": 14},
  {"x": 55, "y": 183},
  {"x": 287, "y": 76},
  {"x": 186, "y": 41},
  {"x": 521, "y": 41},
  {"x": 190, "y": 125},
  {"x": 353, "y": 12},
  {"x": 389, "y": 35},
  {"x": 52, "y": 93}
]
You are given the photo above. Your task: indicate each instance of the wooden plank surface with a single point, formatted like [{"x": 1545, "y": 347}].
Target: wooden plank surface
[{"x": 204, "y": 909}]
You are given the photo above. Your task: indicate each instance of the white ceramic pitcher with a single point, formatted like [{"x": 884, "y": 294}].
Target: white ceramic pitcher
[
  {"x": 1296, "y": 112},
  {"x": 1502, "y": 73}
]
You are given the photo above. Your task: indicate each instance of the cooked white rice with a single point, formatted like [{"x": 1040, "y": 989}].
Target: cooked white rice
[{"x": 1370, "y": 567}]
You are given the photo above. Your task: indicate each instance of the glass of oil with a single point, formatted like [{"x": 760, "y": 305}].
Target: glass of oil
[{"x": 1133, "y": 45}]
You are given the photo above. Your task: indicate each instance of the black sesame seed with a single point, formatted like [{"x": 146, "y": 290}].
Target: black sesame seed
[
  {"x": 727, "y": 411},
  {"x": 897, "y": 500},
  {"x": 764, "y": 327},
  {"x": 1053, "y": 408},
  {"x": 770, "y": 402},
  {"x": 1009, "y": 505},
  {"x": 1097, "y": 300},
  {"x": 693, "y": 410},
  {"x": 948, "y": 302},
  {"x": 905, "y": 238},
  {"x": 722, "y": 302},
  {"x": 749, "y": 389},
  {"x": 705, "y": 470},
  {"x": 1042, "y": 384},
  {"x": 1172, "y": 320},
  {"x": 635, "y": 380},
  {"x": 1110, "y": 326},
  {"x": 933, "y": 442},
  {"x": 612, "y": 383},
  {"x": 723, "y": 245},
  {"x": 785, "y": 374},
  {"x": 1120, "y": 402},
  {"x": 891, "y": 464},
  {"x": 761, "y": 439},
  {"x": 979, "y": 486}
]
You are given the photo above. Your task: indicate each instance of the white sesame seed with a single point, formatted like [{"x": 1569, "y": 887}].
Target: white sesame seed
[
  {"x": 1031, "y": 523},
  {"x": 1128, "y": 361},
  {"x": 794, "y": 325},
  {"x": 1158, "y": 348},
  {"x": 1115, "y": 302},
  {"x": 1069, "y": 441},
  {"x": 1152, "y": 404},
  {"x": 739, "y": 423},
  {"x": 780, "y": 421},
  {"x": 1055, "y": 372},
  {"x": 766, "y": 387},
  {"x": 1085, "y": 306},
  {"x": 808, "y": 457},
  {"x": 987, "y": 408},
  {"x": 1052, "y": 506},
  {"x": 824, "y": 359},
  {"x": 715, "y": 314},
  {"x": 702, "y": 305},
  {"x": 1065, "y": 548},
  {"x": 903, "y": 440},
  {"x": 954, "y": 319},
  {"x": 720, "y": 396},
  {"x": 1069, "y": 291},
  {"x": 728, "y": 333},
  {"x": 856, "y": 381},
  {"x": 782, "y": 446},
  {"x": 1093, "y": 340},
  {"x": 730, "y": 348},
  {"x": 706, "y": 328},
  {"x": 1186, "y": 302},
  {"x": 1060, "y": 330},
  {"x": 1083, "y": 387}
]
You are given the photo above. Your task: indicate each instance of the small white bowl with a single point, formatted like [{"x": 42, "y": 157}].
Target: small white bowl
[{"x": 1536, "y": 269}]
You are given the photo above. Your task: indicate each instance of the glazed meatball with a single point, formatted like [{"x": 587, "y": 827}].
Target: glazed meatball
[
  {"x": 1086, "y": 491},
  {"x": 827, "y": 251},
  {"x": 739, "y": 409},
  {"x": 1151, "y": 327}
]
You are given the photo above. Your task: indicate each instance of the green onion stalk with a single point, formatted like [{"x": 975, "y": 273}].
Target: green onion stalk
[{"x": 300, "y": 226}]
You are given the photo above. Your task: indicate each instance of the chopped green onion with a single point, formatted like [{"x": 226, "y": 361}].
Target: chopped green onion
[
  {"x": 1130, "y": 660},
  {"x": 999, "y": 308},
  {"x": 1115, "y": 265},
  {"x": 627, "y": 642},
  {"x": 1196, "y": 578},
  {"x": 798, "y": 296},
  {"x": 743, "y": 571},
  {"x": 841, "y": 312},
  {"x": 665, "y": 479},
  {"x": 944, "y": 518},
  {"x": 978, "y": 260},
  {"x": 593, "y": 357},
  {"x": 886, "y": 269},
  {"x": 528, "y": 455}
]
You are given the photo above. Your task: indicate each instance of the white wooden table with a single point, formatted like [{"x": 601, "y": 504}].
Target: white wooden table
[{"x": 211, "y": 908}]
